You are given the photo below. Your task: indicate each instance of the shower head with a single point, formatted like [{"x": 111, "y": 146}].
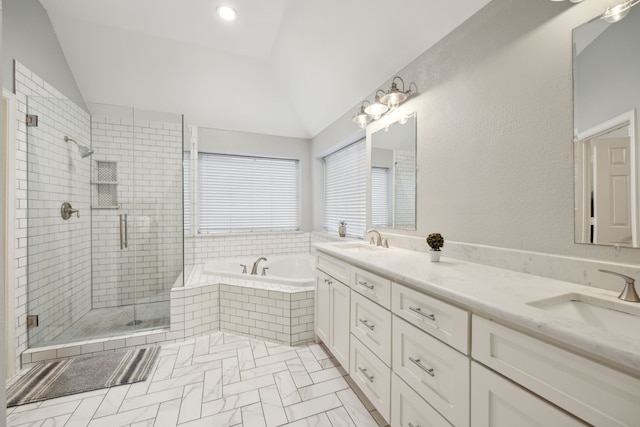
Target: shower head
[{"x": 82, "y": 149}]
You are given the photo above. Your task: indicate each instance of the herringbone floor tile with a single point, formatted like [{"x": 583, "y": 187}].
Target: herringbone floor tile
[{"x": 218, "y": 380}]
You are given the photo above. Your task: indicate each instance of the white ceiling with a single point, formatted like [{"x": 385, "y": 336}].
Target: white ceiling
[{"x": 285, "y": 67}]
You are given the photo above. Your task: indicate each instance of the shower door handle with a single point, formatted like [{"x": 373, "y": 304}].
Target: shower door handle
[{"x": 124, "y": 231}]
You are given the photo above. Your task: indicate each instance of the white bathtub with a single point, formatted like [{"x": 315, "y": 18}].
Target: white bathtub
[{"x": 297, "y": 270}]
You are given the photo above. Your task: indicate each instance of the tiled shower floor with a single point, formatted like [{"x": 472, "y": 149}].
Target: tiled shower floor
[
  {"x": 219, "y": 380},
  {"x": 114, "y": 321}
]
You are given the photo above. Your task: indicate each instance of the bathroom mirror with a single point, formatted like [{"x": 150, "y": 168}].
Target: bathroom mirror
[
  {"x": 393, "y": 175},
  {"x": 607, "y": 156}
]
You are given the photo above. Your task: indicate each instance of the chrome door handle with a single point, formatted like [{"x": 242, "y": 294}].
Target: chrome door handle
[
  {"x": 421, "y": 366},
  {"x": 124, "y": 232},
  {"x": 366, "y": 285},
  {"x": 419, "y": 311},
  {"x": 365, "y": 322},
  {"x": 364, "y": 372}
]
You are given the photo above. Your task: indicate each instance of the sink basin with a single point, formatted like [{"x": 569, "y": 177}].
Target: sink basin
[
  {"x": 359, "y": 247},
  {"x": 609, "y": 314}
]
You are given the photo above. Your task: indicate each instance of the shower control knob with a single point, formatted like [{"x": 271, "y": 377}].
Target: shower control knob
[{"x": 66, "y": 210}]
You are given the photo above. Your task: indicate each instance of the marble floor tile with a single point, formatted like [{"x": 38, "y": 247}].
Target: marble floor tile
[{"x": 218, "y": 380}]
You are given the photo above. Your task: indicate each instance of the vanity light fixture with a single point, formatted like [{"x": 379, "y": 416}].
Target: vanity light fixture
[
  {"x": 394, "y": 97},
  {"x": 377, "y": 109},
  {"x": 616, "y": 13},
  {"x": 389, "y": 101},
  {"x": 227, "y": 13},
  {"x": 362, "y": 118}
]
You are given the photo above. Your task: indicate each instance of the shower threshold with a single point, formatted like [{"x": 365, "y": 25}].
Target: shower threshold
[{"x": 106, "y": 329}]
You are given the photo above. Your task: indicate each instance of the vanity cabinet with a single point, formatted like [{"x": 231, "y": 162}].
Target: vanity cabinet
[
  {"x": 332, "y": 306},
  {"x": 497, "y": 402},
  {"x": 423, "y": 361},
  {"x": 589, "y": 390}
]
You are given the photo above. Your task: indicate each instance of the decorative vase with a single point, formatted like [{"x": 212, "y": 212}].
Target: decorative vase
[
  {"x": 342, "y": 230},
  {"x": 434, "y": 256}
]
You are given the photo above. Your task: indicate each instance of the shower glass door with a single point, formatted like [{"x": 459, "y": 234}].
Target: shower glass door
[{"x": 104, "y": 233}]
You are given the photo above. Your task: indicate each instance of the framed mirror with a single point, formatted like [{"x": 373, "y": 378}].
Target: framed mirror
[
  {"x": 607, "y": 154},
  {"x": 393, "y": 175}
]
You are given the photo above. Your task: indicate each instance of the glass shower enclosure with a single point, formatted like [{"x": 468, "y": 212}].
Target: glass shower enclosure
[{"x": 104, "y": 226}]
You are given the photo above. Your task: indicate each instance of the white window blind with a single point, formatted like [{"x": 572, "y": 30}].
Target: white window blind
[
  {"x": 186, "y": 191},
  {"x": 243, "y": 193},
  {"x": 345, "y": 183},
  {"x": 380, "y": 197}
]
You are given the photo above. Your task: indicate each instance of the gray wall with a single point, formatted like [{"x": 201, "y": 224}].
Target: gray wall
[
  {"x": 29, "y": 38},
  {"x": 494, "y": 130}
]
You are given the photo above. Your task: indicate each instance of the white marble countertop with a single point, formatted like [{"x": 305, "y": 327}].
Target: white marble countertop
[{"x": 502, "y": 295}]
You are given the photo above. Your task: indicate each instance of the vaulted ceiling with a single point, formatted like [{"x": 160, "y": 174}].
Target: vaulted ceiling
[{"x": 284, "y": 67}]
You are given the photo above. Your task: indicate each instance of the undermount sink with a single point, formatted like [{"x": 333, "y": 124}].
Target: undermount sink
[
  {"x": 359, "y": 247},
  {"x": 618, "y": 317}
]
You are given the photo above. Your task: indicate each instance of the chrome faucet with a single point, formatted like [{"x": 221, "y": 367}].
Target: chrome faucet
[
  {"x": 254, "y": 269},
  {"x": 629, "y": 292},
  {"x": 378, "y": 237}
]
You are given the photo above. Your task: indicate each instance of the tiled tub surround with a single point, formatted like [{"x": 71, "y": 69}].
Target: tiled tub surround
[
  {"x": 484, "y": 317},
  {"x": 208, "y": 303}
]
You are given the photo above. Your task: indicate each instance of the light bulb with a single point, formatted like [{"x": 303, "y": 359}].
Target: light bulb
[{"x": 227, "y": 13}]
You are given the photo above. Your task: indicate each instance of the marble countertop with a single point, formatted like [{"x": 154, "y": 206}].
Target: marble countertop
[{"x": 502, "y": 295}]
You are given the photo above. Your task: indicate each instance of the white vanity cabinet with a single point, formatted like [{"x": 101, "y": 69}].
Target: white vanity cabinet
[
  {"x": 332, "y": 307},
  {"x": 588, "y": 390},
  {"x": 497, "y": 402}
]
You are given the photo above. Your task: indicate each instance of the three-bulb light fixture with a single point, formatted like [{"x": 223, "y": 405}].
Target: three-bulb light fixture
[
  {"x": 382, "y": 104},
  {"x": 616, "y": 12}
]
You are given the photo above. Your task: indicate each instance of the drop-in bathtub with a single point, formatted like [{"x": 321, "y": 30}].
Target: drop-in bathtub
[{"x": 296, "y": 270}]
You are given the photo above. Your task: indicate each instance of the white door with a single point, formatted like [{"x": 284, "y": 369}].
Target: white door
[{"x": 611, "y": 192}]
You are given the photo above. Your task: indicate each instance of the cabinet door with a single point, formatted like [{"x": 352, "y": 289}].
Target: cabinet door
[
  {"x": 339, "y": 332},
  {"x": 497, "y": 402},
  {"x": 322, "y": 314}
]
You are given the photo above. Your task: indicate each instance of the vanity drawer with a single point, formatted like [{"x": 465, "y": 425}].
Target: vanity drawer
[
  {"x": 372, "y": 376},
  {"x": 409, "y": 409},
  {"x": 372, "y": 286},
  {"x": 447, "y": 323},
  {"x": 434, "y": 370},
  {"x": 333, "y": 267},
  {"x": 371, "y": 324},
  {"x": 594, "y": 393},
  {"x": 496, "y": 402}
]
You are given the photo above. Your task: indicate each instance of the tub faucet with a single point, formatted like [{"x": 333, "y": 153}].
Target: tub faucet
[
  {"x": 378, "y": 236},
  {"x": 254, "y": 269}
]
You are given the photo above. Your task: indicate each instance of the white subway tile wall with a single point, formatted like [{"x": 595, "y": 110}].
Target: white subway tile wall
[
  {"x": 148, "y": 156},
  {"x": 59, "y": 250},
  {"x": 201, "y": 248}
]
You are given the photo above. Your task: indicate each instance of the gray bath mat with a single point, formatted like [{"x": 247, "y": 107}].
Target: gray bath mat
[{"x": 79, "y": 374}]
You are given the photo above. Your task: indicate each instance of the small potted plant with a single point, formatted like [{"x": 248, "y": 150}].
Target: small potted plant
[
  {"x": 342, "y": 228},
  {"x": 435, "y": 242}
]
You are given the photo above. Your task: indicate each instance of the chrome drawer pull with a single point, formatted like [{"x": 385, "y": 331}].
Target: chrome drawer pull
[
  {"x": 413, "y": 425},
  {"x": 421, "y": 366},
  {"x": 364, "y": 372},
  {"x": 365, "y": 322},
  {"x": 366, "y": 285},
  {"x": 428, "y": 316}
]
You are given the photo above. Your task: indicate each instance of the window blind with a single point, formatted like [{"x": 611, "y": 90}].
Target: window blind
[
  {"x": 380, "y": 197},
  {"x": 345, "y": 184},
  {"x": 186, "y": 191},
  {"x": 244, "y": 193}
]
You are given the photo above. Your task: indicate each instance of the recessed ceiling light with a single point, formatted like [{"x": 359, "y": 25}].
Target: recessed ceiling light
[{"x": 227, "y": 13}]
